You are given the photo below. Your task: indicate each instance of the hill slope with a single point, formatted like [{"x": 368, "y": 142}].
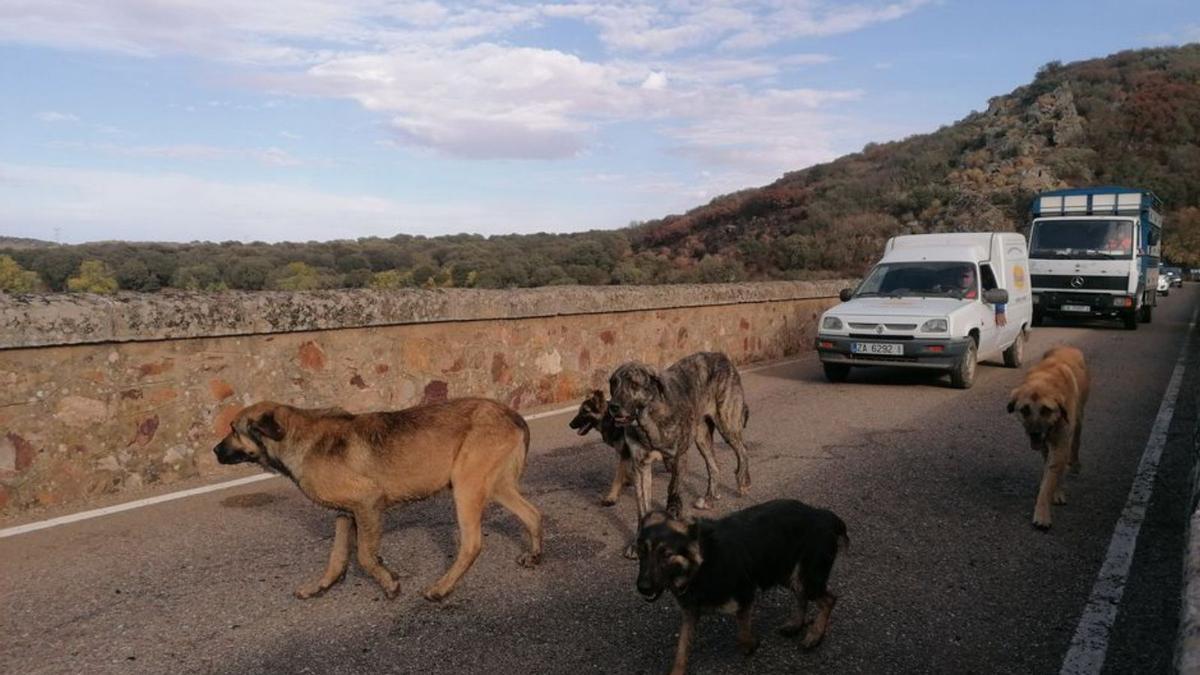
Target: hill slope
[{"x": 1132, "y": 118}]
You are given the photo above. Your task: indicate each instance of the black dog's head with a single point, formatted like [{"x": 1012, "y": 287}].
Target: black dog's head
[
  {"x": 250, "y": 434},
  {"x": 1042, "y": 408},
  {"x": 632, "y": 386},
  {"x": 590, "y": 414},
  {"x": 668, "y": 555}
]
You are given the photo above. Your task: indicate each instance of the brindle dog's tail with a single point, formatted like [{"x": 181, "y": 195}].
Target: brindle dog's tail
[{"x": 843, "y": 539}]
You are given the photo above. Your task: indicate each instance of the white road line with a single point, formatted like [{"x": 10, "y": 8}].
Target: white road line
[
  {"x": 96, "y": 513},
  {"x": 1089, "y": 646},
  {"x": 171, "y": 496}
]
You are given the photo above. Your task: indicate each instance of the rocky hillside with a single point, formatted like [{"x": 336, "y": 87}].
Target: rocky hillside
[{"x": 1132, "y": 119}]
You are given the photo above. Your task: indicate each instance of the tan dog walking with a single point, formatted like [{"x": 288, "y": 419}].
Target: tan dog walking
[
  {"x": 362, "y": 464},
  {"x": 1051, "y": 403}
]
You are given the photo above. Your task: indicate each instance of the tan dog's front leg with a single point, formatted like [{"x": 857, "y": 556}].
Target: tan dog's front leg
[
  {"x": 1051, "y": 473},
  {"x": 686, "y": 631},
  {"x": 746, "y": 640},
  {"x": 370, "y": 529},
  {"x": 339, "y": 558},
  {"x": 620, "y": 478}
]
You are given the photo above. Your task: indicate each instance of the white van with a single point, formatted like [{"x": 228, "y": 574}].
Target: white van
[{"x": 936, "y": 301}]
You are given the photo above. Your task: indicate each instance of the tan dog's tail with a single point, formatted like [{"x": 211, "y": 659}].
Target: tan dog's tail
[{"x": 521, "y": 424}]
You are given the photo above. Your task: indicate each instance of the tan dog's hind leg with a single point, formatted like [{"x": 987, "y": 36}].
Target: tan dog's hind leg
[
  {"x": 1076, "y": 465},
  {"x": 506, "y": 495},
  {"x": 642, "y": 479},
  {"x": 469, "y": 502},
  {"x": 370, "y": 528},
  {"x": 339, "y": 558},
  {"x": 686, "y": 632}
]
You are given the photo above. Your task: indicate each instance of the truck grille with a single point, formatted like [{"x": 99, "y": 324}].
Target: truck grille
[
  {"x": 1080, "y": 282},
  {"x": 889, "y": 326}
]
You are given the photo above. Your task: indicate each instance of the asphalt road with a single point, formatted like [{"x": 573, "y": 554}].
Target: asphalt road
[{"x": 944, "y": 573}]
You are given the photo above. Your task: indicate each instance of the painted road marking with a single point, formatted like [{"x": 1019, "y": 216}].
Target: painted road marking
[{"x": 1089, "y": 646}]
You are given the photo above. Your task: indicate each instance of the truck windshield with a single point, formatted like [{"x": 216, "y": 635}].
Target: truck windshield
[
  {"x": 1081, "y": 239},
  {"x": 907, "y": 279}
]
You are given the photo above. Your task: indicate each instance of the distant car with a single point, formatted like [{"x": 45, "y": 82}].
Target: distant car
[
  {"x": 1164, "y": 285},
  {"x": 1175, "y": 274}
]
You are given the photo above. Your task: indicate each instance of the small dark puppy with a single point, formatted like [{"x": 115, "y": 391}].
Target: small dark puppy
[
  {"x": 594, "y": 414},
  {"x": 722, "y": 564}
]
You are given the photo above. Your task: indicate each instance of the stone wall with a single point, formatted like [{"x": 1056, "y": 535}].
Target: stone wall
[{"x": 101, "y": 394}]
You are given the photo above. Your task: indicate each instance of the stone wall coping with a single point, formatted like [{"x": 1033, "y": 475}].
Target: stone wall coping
[{"x": 44, "y": 320}]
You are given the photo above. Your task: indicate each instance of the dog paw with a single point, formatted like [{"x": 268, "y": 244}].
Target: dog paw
[
  {"x": 608, "y": 501},
  {"x": 390, "y": 592},
  {"x": 1060, "y": 497},
  {"x": 701, "y": 504},
  {"x": 790, "y": 629},
  {"x": 631, "y": 551},
  {"x": 748, "y": 647},
  {"x": 743, "y": 489},
  {"x": 529, "y": 559},
  {"x": 1042, "y": 524},
  {"x": 811, "y": 640},
  {"x": 435, "y": 594},
  {"x": 308, "y": 591}
]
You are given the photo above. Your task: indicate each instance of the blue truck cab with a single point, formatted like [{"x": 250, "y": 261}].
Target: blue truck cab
[{"x": 1094, "y": 253}]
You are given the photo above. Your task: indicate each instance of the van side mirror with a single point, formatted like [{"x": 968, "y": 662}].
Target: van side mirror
[
  {"x": 995, "y": 296},
  {"x": 845, "y": 294}
]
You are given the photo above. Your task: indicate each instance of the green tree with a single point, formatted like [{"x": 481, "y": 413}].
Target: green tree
[
  {"x": 94, "y": 277},
  {"x": 202, "y": 277},
  {"x": 16, "y": 279},
  {"x": 297, "y": 276},
  {"x": 390, "y": 280}
]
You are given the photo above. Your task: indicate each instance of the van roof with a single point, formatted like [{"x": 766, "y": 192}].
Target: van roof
[{"x": 937, "y": 254}]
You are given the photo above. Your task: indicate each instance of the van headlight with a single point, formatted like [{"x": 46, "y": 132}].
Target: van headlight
[
  {"x": 831, "y": 323},
  {"x": 934, "y": 326}
]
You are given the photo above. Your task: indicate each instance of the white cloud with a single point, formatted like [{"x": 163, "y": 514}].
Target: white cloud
[
  {"x": 270, "y": 156},
  {"x": 52, "y": 117}
]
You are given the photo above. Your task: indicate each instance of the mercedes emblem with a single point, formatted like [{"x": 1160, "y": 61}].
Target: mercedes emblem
[{"x": 1076, "y": 282}]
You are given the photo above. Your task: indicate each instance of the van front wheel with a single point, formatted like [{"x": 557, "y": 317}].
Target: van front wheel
[
  {"x": 963, "y": 374},
  {"x": 836, "y": 372},
  {"x": 1015, "y": 354}
]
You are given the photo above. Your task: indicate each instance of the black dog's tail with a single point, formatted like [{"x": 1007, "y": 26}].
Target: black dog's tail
[{"x": 745, "y": 414}]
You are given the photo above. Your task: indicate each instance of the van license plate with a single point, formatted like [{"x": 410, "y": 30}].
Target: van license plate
[
  {"x": 1076, "y": 308},
  {"x": 886, "y": 348}
]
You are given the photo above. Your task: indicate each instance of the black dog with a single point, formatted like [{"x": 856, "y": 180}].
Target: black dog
[
  {"x": 594, "y": 414},
  {"x": 722, "y": 564}
]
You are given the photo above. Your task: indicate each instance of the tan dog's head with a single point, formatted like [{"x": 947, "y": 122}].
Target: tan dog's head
[
  {"x": 1041, "y": 408},
  {"x": 251, "y": 436},
  {"x": 591, "y": 413},
  {"x": 668, "y": 555}
]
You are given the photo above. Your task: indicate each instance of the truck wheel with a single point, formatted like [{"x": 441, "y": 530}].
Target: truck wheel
[
  {"x": 836, "y": 372},
  {"x": 1131, "y": 319},
  {"x": 1146, "y": 314},
  {"x": 963, "y": 374},
  {"x": 1015, "y": 354},
  {"x": 1038, "y": 318}
]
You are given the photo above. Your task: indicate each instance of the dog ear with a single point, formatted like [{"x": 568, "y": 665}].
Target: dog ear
[
  {"x": 597, "y": 397},
  {"x": 268, "y": 426},
  {"x": 1062, "y": 410},
  {"x": 658, "y": 384}
]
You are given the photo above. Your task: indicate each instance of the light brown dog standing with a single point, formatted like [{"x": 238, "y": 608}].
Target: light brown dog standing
[
  {"x": 1051, "y": 402},
  {"x": 362, "y": 464}
]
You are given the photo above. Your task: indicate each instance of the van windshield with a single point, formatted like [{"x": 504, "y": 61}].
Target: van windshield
[
  {"x": 921, "y": 279},
  {"x": 1081, "y": 239}
]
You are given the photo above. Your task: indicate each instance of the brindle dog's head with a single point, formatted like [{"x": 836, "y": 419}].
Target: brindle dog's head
[
  {"x": 251, "y": 436},
  {"x": 632, "y": 386},
  {"x": 668, "y": 555},
  {"x": 590, "y": 414},
  {"x": 1042, "y": 408}
]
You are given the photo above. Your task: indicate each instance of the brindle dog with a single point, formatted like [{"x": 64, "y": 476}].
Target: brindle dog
[{"x": 663, "y": 414}]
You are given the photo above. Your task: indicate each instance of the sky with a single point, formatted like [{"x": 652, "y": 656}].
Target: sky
[{"x": 312, "y": 120}]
